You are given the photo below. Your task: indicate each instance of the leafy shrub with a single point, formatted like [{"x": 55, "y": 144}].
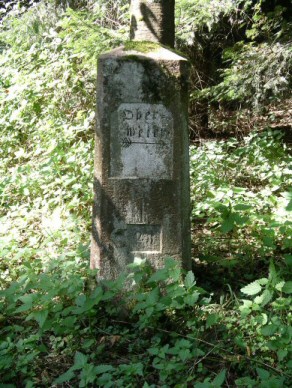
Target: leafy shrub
[
  {"x": 241, "y": 194},
  {"x": 258, "y": 75}
]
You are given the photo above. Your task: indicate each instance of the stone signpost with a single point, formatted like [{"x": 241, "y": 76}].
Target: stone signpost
[{"x": 141, "y": 183}]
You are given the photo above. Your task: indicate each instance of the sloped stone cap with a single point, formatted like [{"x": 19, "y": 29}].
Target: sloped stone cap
[{"x": 148, "y": 49}]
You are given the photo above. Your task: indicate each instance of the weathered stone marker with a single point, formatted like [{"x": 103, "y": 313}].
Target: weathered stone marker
[{"x": 141, "y": 205}]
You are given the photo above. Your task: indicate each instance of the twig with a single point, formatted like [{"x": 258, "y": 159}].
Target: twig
[
  {"x": 205, "y": 356},
  {"x": 210, "y": 344}
]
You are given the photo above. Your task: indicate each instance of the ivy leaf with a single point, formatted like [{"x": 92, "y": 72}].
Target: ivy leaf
[{"x": 251, "y": 289}]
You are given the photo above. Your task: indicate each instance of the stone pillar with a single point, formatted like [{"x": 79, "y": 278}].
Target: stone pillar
[
  {"x": 153, "y": 20},
  {"x": 141, "y": 183}
]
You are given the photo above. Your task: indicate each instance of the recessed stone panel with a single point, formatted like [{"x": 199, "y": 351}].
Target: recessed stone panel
[
  {"x": 141, "y": 142},
  {"x": 144, "y": 238}
]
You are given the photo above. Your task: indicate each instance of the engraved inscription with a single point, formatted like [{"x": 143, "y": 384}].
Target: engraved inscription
[
  {"x": 134, "y": 212},
  {"x": 144, "y": 124},
  {"x": 144, "y": 238},
  {"x": 141, "y": 142}
]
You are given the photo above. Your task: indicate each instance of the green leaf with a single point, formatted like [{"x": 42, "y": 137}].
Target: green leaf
[
  {"x": 263, "y": 374},
  {"x": 240, "y": 220},
  {"x": 152, "y": 297},
  {"x": 184, "y": 354},
  {"x": 288, "y": 260},
  {"x": 211, "y": 320},
  {"x": 88, "y": 305},
  {"x": 80, "y": 300},
  {"x": 272, "y": 271},
  {"x": 269, "y": 242},
  {"x": 158, "y": 276},
  {"x": 69, "y": 322},
  {"x": 40, "y": 317},
  {"x": 245, "y": 382},
  {"x": 28, "y": 298},
  {"x": 279, "y": 286},
  {"x": 251, "y": 289},
  {"x": 289, "y": 206},
  {"x": 67, "y": 376},
  {"x": 264, "y": 298},
  {"x": 170, "y": 263},
  {"x": 27, "y": 301},
  {"x": 242, "y": 206},
  {"x": 263, "y": 281},
  {"x": 287, "y": 288},
  {"x": 24, "y": 307},
  {"x": 205, "y": 384},
  {"x": 191, "y": 299},
  {"x": 281, "y": 354},
  {"x": 220, "y": 378},
  {"x": 189, "y": 280},
  {"x": 103, "y": 368},
  {"x": 227, "y": 225},
  {"x": 80, "y": 360},
  {"x": 269, "y": 330}
]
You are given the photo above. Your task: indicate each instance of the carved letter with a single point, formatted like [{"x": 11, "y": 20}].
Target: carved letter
[
  {"x": 138, "y": 114},
  {"x": 147, "y": 114},
  {"x": 155, "y": 130},
  {"x": 148, "y": 129},
  {"x": 140, "y": 131},
  {"x": 131, "y": 131},
  {"x": 127, "y": 114}
]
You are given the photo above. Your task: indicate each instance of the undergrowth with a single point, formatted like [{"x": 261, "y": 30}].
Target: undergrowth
[{"x": 227, "y": 325}]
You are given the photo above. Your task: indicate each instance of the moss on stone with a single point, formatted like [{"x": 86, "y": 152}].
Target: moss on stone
[
  {"x": 141, "y": 46},
  {"x": 147, "y": 46}
]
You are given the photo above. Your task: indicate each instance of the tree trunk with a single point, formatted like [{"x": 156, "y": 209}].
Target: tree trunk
[{"x": 153, "y": 21}]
